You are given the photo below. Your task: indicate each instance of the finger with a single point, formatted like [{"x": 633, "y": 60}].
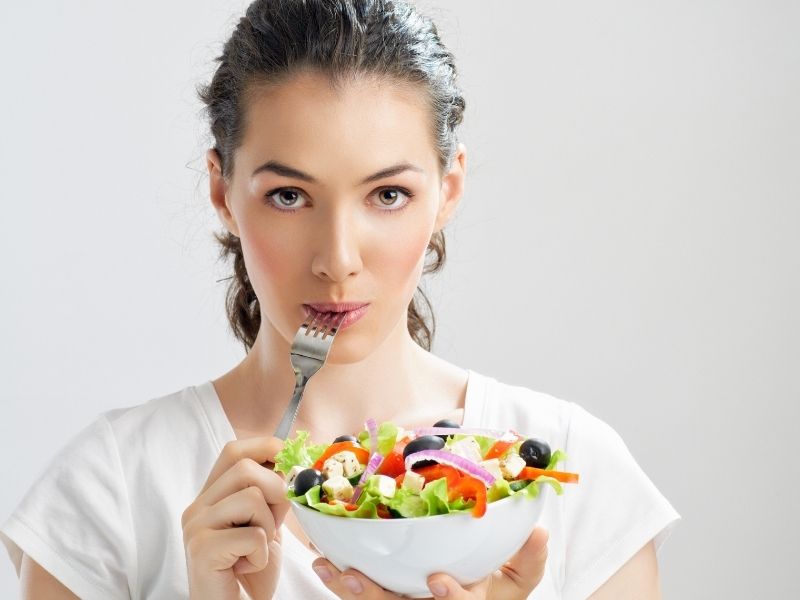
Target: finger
[
  {"x": 243, "y": 508},
  {"x": 520, "y": 575},
  {"x": 443, "y": 585},
  {"x": 349, "y": 584},
  {"x": 220, "y": 549},
  {"x": 259, "y": 449},
  {"x": 243, "y": 474}
]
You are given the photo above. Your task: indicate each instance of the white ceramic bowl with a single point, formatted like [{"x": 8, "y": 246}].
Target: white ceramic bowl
[{"x": 400, "y": 554}]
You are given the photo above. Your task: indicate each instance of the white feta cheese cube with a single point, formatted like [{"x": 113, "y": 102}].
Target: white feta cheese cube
[
  {"x": 338, "y": 488},
  {"x": 493, "y": 466},
  {"x": 290, "y": 476},
  {"x": 386, "y": 486},
  {"x": 512, "y": 465},
  {"x": 413, "y": 482},
  {"x": 467, "y": 448},
  {"x": 349, "y": 462},
  {"x": 332, "y": 468}
]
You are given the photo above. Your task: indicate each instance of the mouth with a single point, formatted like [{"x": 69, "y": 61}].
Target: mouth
[{"x": 353, "y": 311}]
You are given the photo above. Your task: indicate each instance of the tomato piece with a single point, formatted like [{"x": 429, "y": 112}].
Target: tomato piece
[
  {"x": 402, "y": 443},
  {"x": 498, "y": 449},
  {"x": 399, "y": 479},
  {"x": 383, "y": 511},
  {"x": 434, "y": 472},
  {"x": 361, "y": 454},
  {"x": 392, "y": 465},
  {"x": 470, "y": 488},
  {"x": 347, "y": 505},
  {"x": 533, "y": 473}
]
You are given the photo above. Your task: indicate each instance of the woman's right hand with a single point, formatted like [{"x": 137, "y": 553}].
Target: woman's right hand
[{"x": 230, "y": 531}]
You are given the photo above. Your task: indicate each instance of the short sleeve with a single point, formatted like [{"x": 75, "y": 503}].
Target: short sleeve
[
  {"x": 614, "y": 510},
  {"x": 75, "y": 519}
]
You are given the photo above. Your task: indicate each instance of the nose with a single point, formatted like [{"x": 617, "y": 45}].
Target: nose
[{"x": 336, "y": 243}]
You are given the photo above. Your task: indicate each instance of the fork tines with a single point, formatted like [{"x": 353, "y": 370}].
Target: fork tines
[{"x": 327, "y": 324}]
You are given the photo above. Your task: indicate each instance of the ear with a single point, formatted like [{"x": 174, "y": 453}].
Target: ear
[
  {"x": 218, "y": 190},
  {"x": 452, "y": 188}
]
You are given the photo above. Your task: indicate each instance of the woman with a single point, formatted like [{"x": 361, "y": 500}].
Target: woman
[{"x": 335, "y": 168}]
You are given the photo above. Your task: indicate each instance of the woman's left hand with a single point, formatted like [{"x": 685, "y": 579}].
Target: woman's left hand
[{"x": 515, "y": 580}]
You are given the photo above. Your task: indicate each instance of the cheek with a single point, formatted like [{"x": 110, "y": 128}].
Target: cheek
[
  {"x": 270, "y": 260},
  {"x": 402, "y": 257}
]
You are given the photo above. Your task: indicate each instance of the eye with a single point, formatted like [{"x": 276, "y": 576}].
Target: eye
[
  {"x": 285, "y": 199},
  {"x": 392, "y": 198}
]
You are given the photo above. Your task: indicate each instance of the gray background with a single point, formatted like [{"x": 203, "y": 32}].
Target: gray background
[{"x": 628, "y": 239}]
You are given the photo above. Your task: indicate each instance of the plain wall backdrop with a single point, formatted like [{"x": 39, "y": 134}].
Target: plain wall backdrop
[{"x": 628, "y": 239}]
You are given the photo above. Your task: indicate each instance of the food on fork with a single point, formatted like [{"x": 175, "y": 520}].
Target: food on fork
[{"x": 388, "y": 473}]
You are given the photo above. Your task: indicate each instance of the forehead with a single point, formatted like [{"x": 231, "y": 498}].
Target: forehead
[{"x": 359, "y": 126}]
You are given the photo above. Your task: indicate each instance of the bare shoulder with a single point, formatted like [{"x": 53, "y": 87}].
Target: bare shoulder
[
  {"x": 35, "y": 582},
  {"x": 636, "y": 579},
  {"x": 444, "y": 375}
]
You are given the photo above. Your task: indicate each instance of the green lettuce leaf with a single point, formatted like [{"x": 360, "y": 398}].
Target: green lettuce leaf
[
  {"x": 408, "y": 504},
  {"x": 431, "y": 501},
  {"x": 297, "y": 452},
  {"x": 434, "y": 494},
  {"x": 367, "y": 509},
  {"x": 501, "y": 488},
  {"x": 557, "y": 457},
  {"x": 387, "y": 438}
]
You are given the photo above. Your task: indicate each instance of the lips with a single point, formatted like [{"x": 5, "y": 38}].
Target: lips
[
  {"x": 353, "y": 311},
  {"x": 326, "y": 307}
]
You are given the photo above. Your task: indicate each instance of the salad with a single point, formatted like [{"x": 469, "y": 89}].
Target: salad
[{"x": 386, "y": 472}]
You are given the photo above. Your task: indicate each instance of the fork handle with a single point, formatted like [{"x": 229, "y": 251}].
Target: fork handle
[{"x": 290, "y": 413}]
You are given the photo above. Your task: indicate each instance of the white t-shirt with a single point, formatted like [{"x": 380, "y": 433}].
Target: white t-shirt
[{"x": 105, "y": 517}]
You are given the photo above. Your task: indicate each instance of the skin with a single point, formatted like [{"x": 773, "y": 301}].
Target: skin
[{"x": 344, "y": 242}]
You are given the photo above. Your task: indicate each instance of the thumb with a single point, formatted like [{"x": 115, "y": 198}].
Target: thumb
[{"x": 520, "y": 575}]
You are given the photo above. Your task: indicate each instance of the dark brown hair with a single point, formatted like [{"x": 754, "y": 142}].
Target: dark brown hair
[{"x": 340, "y": 39}]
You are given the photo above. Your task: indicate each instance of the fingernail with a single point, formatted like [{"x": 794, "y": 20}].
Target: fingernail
[
  {"x": 352, "y": 584},
  {"x": 323, "y": 573},
  {"x": 438, "y": 589}
]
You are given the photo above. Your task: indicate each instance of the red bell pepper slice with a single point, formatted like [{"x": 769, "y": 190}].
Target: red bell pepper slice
[
  {"x": 361, "y": 454},
  {"x": 470, "y": 488},
  {"x": 432, "y": 473},
  {"x": 437, "y": 471},
  {"x": 532, "y": 473}
]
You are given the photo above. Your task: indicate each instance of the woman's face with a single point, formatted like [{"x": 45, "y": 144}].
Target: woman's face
[{"x": 317, "y": 218}]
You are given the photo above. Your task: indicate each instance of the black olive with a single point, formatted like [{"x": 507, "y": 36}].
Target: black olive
[
  {"x": 305, "y": 480},
  {"x": 346, "y": 438},
  {"x": 535, "y": 453},
  {"x": 426, "y": 442},
  {"x": 446, "y": 423}
]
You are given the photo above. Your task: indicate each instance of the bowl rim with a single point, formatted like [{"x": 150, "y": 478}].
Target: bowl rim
[{"x": 427, "y": 519}]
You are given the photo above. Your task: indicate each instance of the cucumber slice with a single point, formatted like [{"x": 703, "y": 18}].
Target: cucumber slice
[{"x": 519, "y": 485}]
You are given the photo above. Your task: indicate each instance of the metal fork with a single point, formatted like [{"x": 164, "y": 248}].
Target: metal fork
[{"x": 308, "y": 354}]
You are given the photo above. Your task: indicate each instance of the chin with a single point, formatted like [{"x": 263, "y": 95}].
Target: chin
[{"x": 347, "y": 350}]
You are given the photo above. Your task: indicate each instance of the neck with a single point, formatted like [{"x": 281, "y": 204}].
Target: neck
[{"x": 394, "y": 382}]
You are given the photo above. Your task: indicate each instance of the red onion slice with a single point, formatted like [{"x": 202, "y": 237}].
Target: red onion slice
[
  {"x": 372, "y": 427},
  {"x": 448, "y": 458},
  {"x": 372, "y": 466},
  {"x": 492, "y": 433}
]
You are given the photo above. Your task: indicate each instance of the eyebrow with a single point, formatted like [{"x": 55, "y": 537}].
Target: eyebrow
[{"x": 281, "y": 169}]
